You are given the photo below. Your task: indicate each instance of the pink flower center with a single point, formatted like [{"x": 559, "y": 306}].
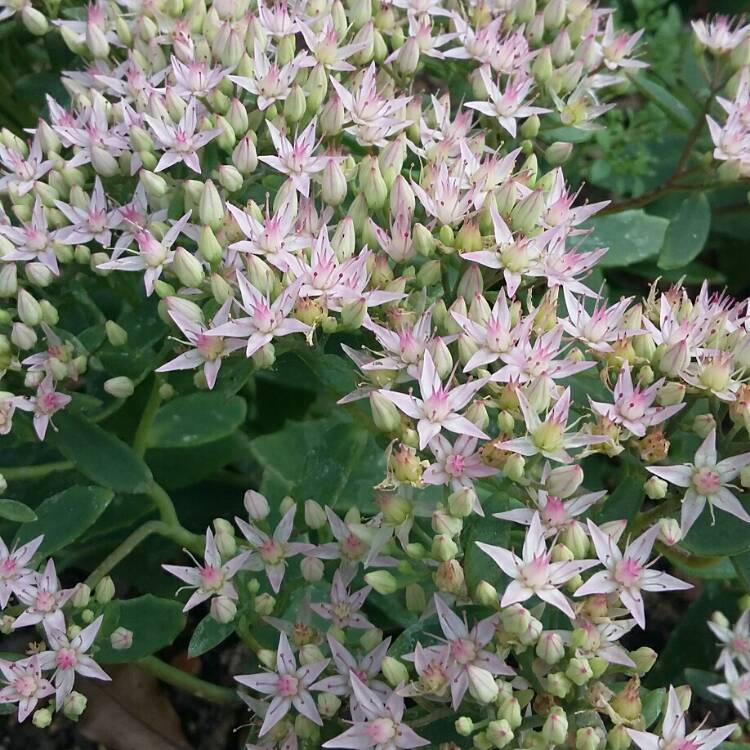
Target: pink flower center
[
  {"x": 212, "y": 579},
  {"x": 352, "y": 548},
  {"x": 455, "y": 465},
  {"x": 66, "y": 658},
  {"x": 628, "y": 571},
  {"x": 26, "y": 685},
  {"x": 271, "y": 552},
  {"x": 634, "y": 407},
  {"x": 463, "y": 650},
  {"x": 706, "y": 481},
  {"x": 381, "y": 730},
  {"x": 287, "y": 685},
  {"x": 535, "y": 574},
  {"x": 8, "y": 568},
  {"x": 554, "y": 514},
  {"x": 45, "y": 602}
]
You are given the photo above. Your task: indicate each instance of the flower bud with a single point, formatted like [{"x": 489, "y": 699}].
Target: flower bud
[
  {"x": 210, "y": 207},
  {"x": 558, "y": 153},
  {"x": 445, "y": 524},
  {"x": 395, "y": 509},
  {"x": 644, "y": 658},
  {"x": 105, "y": 590},
  {"x": 449, "y": 577},
  {"x": 703, "y": 424},
  {"x": 121, "y": 639},
  {"x": 563, "y": 481},
  {"x": 256, "y": 505},
  {"x": 482, "y": 685},
  {"x": 119, "y": 387},
  {"x": 245, "y": 157},
  {"x": 485, "y": 594},
  {"x": 328, "y": 704},
  {"x": 371, "y": 183},
  {"x": 41, "y": 718},
  {"x": 461, "y": 503},
  {"x": 116, "y": 334},
  {"x": 267, "y": 658},
  {"x": 579, "y": 671},
  {"x": 315, "y": 516},
  {"x": 550, "y": 647},
  {"x": 464, "y": 726},
  {"x": 444, "y": 548},
  {"x": 394, "y": 671},
  {"x": 333, "y": 187},
  {"x": 385, "y": 415},
  {"x": 670, "y": 394},
  {"x": 627, "y": 703},
  {"x": 514, "y": 467},
  {"x": 655, "y": 488},
  {"x": 555, "y": 727},
  {"x": 312, "y": 569},
  {"x": 309, "y": 653},
  {"x": 558, "y": 684},
  {"x": 81, "y": 596},
  {"x": 264, "y": 604},
  {"x": 29, "y": 310},
  {"x": 588, "y": 738},
  {"x": 575, "y": 538},
  {"x": 34, "y": 20},
  {"x": 515, "y": 618},
  {"x": 530, "y": 635},
  {"x": 382, "y": 581},
  {"x": 618, "y": 738}
]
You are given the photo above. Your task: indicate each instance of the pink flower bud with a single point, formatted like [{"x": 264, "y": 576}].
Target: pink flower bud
[
  {"x": 121, "y": 639},
  {"x": 256, "y": 505}
]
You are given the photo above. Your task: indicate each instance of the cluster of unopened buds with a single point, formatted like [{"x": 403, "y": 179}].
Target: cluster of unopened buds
[
  {"x": 41, "y": 682},
  {"x": 272, "y": 176}
]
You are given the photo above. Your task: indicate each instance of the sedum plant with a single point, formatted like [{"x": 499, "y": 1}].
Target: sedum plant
[{"x": 303, "y": 290}]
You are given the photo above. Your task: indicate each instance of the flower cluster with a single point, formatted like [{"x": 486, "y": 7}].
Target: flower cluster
[{"x": 68, "y": 621}]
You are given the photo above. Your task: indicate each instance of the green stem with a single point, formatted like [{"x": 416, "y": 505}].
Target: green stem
[
  {"x": 20, "y": 473},
  {"x": 164, "y": 504},
  {"x": 140, "y": 441},
  {"x": 184, "y": 681}
]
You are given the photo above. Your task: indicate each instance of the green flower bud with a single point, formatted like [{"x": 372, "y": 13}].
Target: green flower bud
[
  {"x": 558, "y": 684},
  {"x": 589, "y": 738},
  {"x": 315, "y": 516},
  {"x": 394, "y": 671},
  {"x": 264, "y": 604},
  {"x": 119, "y": 387},
  {"x": 444, "y": 548},
  {"x": 555, "y": 728},
  {"x": 116, "y": 334},
  {"x": 550, "y": 647},
  {"x": 464, "y": 726},
  {"x": 74, "y": 705},
  {"x": 211, "y": 208},
  {"x": 579, "y": 671},
  {"x": 29, "y": 310},
  {"x": 510, "y": 711},
  {"x": 382, "y": 581},
  {"x": 499, "y": 733},
  {"x": 105, "y": 590}
]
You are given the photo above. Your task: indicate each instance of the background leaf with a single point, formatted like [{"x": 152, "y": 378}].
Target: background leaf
[
  {"x": 64, "y": 517},
  {"x": 155, "y": 623},
  {"x": 100, "y": 455},
  {"x": 196, "y": 419},
  {"x": 631, "y": 236}
]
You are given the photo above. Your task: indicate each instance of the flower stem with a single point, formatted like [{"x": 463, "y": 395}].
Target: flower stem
[
  {"x": 140, "y": 441},
  {"x": 194, "y": 685},
  {"x": 177, "y": 535}
]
